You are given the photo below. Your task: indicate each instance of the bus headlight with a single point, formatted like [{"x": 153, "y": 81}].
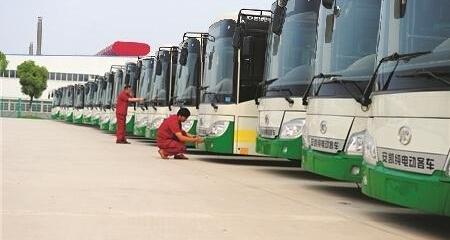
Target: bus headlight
[
  {"x": 187, "y": 125},
  {"x": 218, "y": 128},
  {"x": 356, "y": 143},
  {"x": 370, "y": 150},
  {"x": 142, "y": 122},
  {"x": 157, "y": 123},
  {"x": 128, "y": 118},
  {"x": 292, "y": 129},
  {"x": 305, "y": 136}
]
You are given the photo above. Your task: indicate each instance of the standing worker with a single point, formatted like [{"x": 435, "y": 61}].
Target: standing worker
[
  {"x": 171, "y": 137},
  {"x": 121, "y": 113}
]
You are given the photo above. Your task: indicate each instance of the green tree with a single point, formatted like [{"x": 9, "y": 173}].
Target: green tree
[
  {"x": 33, "y": 79},
  {"x": 3, "y": 62}
]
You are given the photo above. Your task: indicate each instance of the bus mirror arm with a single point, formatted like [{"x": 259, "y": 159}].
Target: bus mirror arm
[
  {"x": 258, "y": 88},
  {"x": 308, "y": 89},
  {"x": 214, "y": 106},
  {"x": 289, "y": 100},
  {"x": 365, "y": 98}
]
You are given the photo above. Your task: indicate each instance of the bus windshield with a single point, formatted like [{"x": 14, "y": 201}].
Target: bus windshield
[
  {"x": 219, "y": 63},
  {"x": 118, "y": 85},
  {"x": 289, "y": 57},
  {"x": 101, "y": 87},
  {"x": 79, "y": 96},
  {"x": 70, "y": 96},
  {"x": 187, "y": 77},
  {"x": 161, "y": 83},
  {"x": 145, "y": 77},
  {"x": 423, "y": 26},
  {"x": 131, "y": 77},
  {"x": 57, "y": 98},
  {"x": 93, "y": 93},
  {"x": 87, "y": 94},
  {"x": 107, "y": 100},
  {"x": 351, "y": 53}
]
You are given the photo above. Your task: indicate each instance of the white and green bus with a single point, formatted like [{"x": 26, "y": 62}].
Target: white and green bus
[
  {"x": 146, "y": 66},
  {"x": 188, "y": 78},
  {"x": 127, "y": 75},
  {"x": 161, "y": 89},
  {"x": 407, "y": 143},
  {"x": 63, "y": 109},
  {"x": 105, "y": 115},
  {"x": 97, "y": 104},
  {"x": 234, "y": 66},
  {"x": 69, "y": 99},
  {"x": 345, "y": 61},
  {"x": 289, "y": 67},
  {"x": 78, "y": 105},
  {"x": 90, "y": 91},
  {"x": 56, "y": 96}
]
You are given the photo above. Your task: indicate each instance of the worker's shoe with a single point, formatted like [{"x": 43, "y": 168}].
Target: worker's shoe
[
  {"x": 180, "y": 156},
  {"x": 122, "y": 142},
  {"x": 163, "y": 154}
]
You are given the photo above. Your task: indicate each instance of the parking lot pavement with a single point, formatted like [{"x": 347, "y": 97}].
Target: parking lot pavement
[{"x": 61, "y": 181}]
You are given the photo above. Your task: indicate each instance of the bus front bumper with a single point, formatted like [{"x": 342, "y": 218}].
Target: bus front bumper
[
  {"x": 221, "y": 144},
  {"x": 55, "y": 115},
  {"x": 104, "y": 125},
  {"x": 87, "y": 120},
  {"x": 428, "y": 193},
  {"x": 280, "y": 148},
  {"x": 139, "y": 131},
  {"x": 339, "y": 166},
  {"x": 69, "y": 117}
]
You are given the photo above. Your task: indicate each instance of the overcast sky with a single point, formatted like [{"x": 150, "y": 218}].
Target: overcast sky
[{"x": 87, "y": 26}]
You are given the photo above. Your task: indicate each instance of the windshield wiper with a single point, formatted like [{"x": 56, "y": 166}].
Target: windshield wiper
[
  {"x": 269, "y": 82},
  {"x": 202, "y": 88},
  {"x": 214, "y": 94},
  {"x": 365, "y": 100},
  {"x": 154, "y": 102},
  {"x": 429, "y": 73},
  {"x": 287, "y": 98},
  {"x": 308, "y": 89}
]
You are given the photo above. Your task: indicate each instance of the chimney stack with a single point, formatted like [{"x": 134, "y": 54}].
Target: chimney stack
[
  {"x": 30, "y": 49},
  {"x": 39, "y": 37}
]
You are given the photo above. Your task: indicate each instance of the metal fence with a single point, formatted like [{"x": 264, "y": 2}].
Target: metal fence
[{"x": 20, "y": 108}]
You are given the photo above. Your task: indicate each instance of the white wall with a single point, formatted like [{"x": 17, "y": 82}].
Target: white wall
[{"x": 92, "y": 65}]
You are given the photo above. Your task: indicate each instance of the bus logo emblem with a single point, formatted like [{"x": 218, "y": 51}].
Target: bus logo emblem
[
  {"x": 323, "y": 127},
  {"x": 404, "y": 135}
]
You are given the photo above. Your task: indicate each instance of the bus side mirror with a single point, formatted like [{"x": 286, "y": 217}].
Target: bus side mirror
[
  {"x": 237, "y": 37},
  {"x": 329, "y": 28},
  {"x": 278, "y": 19},
  {"x": 158, "y": 70},
  {"x": 248, "y": 47},
  {"x": 399, "y": 8},
  {"x": 183, "y": 56},
  {"x": 328, "y": 4}
]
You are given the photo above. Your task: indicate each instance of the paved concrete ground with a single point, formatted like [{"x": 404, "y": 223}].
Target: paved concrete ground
[{"x": 61, "y": 181}]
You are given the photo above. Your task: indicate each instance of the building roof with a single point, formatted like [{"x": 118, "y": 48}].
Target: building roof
[{"x": 120, "y": 48}]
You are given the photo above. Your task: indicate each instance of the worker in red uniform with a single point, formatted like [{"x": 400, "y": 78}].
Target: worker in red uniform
[
  {"x": 171, "y": 137},
  {"x": 121, "y": 113}
]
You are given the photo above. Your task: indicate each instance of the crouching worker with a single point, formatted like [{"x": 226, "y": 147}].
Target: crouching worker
[{"x": 171, "y": 137}]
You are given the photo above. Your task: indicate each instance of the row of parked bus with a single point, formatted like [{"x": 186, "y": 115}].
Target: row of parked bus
[{"x": 355, "y": 90}]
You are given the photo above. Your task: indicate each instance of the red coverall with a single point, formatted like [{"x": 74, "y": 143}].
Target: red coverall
[
  {"x": 121, "y": 115},
  {"x": 166, "y": 139}
]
